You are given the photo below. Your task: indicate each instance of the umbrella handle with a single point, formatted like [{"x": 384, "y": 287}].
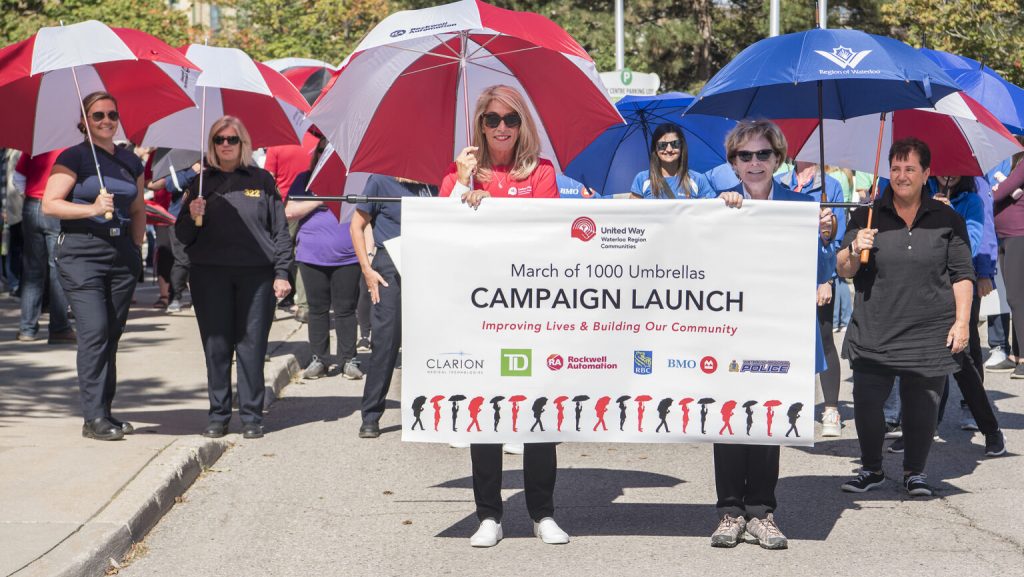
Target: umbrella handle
[
  {"x": 865, "y": 255},
  {"x": 199, "y": 221},
  {"x": 109, "y": 215}
]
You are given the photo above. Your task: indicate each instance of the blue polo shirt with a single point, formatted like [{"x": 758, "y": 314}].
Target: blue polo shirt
[{"x": 386, "y": 217}]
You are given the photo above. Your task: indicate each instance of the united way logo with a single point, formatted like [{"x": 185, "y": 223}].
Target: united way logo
[
  {"x": 584, "y": 228},
  {"x": 643, "y": 362},
  {"x": 844, "y": 57}
]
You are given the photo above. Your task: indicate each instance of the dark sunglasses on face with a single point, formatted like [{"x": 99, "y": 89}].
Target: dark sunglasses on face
[
  {"x": 748, "y": 155},
  {"x": 99, "y": 115},
  {"x": 493, "y": 119},
  {"x": 664, "y": 145},
  {"x": 232, "y": 140}
]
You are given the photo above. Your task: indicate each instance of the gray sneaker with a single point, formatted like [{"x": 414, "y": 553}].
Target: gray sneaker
[
  {"x": 174, "y": 306},
  {"x": 351, "y": 370},
  {"x": 967, "y": 422},
  {"x": 728, "y": 532},
  {"x": 766, "y": 533},
  {"x": 315, "y": 370}
]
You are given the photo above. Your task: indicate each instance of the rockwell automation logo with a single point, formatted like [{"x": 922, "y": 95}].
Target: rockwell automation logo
[{"x": 584, "y": 228}]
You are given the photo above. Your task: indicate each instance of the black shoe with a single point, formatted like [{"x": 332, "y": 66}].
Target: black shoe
[
  {"x": 916, "y": 485},
  {"x": 102, "y": 429},
  {"x": 865, "y": 481},
  {"x": 896, "y": 446},
  {"x": 126, "y": 428},
  {"x": 1018, "y": 372},
  {"x": 995, "y": 444},
  {"x": 215, "y": 430},
  {"x": 369, "y": 431},
  {"x": 252, "y": 431},
  {"x": 364, "y": 345},
  {"x": 68, "y": 337},
  {"x": 893, "y": 431}
]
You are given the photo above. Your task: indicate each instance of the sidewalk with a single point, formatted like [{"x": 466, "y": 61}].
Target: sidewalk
[{"x": 68, "y": 504}]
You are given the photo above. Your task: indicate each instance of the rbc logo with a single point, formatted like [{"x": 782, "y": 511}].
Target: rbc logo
[
  {"x": 708, "y": 365},
  {"x": 643, "y": 362},
  {"x": 584, "y": 228},
  {"x": 555, "y": 362}
]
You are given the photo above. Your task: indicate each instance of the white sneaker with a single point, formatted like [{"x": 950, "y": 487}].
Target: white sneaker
[
  {"x": 487, "y": 535},
  {"x": 996, "y": 356},
  {"x": 456, "y": 445},
  {"x": 831, "y": 423},
  {"x": 513, "y": 448},
  {"x": 549, "y": 532}
]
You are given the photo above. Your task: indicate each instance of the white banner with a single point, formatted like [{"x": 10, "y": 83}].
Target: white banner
[{"x": 612, "y": 321}]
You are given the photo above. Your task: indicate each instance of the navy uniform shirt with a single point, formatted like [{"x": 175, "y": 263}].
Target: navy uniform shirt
[
  {"x": 244, "y": 224},
  {"x": 904, "y": 306},
  {"x": 121, "y": 171},
  {"x": 387, "y": 216}
]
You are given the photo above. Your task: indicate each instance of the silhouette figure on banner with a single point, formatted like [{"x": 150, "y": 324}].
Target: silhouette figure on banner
[
  {"x": 436, "y": 402},
  {"x": 455, "y": 409},
  {"x": 685, "y": 404},
  {"x": 727, "y": 408},
  {"x": 579, "y": 399},
  {"x": 561, "y": 410},
  {"x": 704, "y": 412},
  {"x": 771, "y": 405},
  {"x": 622, "y": 410},
  {"x": 640, "y": 400},
  {"x": 664, "y": 406},
  {"x": 794, "y": 413},
  {"x": 749, "y": 408},
  {"x": 515, "y": 400},
  {"x": 538, "y": 410},
  {"x": 600, "y": 409},
  {"x": 496, "y": 405},
  {"x": 474, "y": 413},
  {"x": 417, "y": 412}
]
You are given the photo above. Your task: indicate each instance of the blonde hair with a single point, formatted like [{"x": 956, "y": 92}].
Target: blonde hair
[
  {"x": 229, "y": 122},
  {"x": 746, "y": 130},
  {"x": 526, "y": 154}
]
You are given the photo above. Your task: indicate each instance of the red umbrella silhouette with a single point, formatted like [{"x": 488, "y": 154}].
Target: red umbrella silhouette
[
  {"x": 474, "y": 413},
  {"x": 770, "y": 404},
  {"x": 727, "y": 408},
  {"x": 640, "y": 400},
  {"x": 561, "y": 409},
  {"x": 436, "y": 401},
  {"x": 601, "y": 408},
  {"x": 515, "y": 400},
  {"x": 685, "y": 404}
]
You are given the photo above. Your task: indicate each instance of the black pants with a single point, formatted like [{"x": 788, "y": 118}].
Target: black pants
[
  {"x": 180, "y": 268},
  {"x": 540, "y": 467},
  {"x": 386, "y": 322},
  {"x": 1011, "y": 262},
  {"x": 234, "y": 307},
  {"x": 327, "y": 286},
  {"x": 919, "y": 398},
  {"x": 164, "y": 253},
  {"x": 363, "y": 308},
  {"x": 745, "y": 479},
  {"x": 971, "y": 379},
  {"x": 830, "y": 378},
  {"x": 98, "y": 276}
]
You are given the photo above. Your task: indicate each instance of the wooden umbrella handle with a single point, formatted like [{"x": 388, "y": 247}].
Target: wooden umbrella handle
[
  {"x": 865, "y": 255},
  {"x": 199, "y": 221}
]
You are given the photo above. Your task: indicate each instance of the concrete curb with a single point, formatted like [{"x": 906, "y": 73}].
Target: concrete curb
[{"x": 103, "y": 541}]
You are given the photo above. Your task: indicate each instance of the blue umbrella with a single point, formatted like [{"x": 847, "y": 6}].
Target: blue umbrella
[
  {"x": 611, "y": 162},
  {"x": 1002, "y": 98}
]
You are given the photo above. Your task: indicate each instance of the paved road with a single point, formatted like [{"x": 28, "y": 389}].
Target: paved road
[{"x": 313, "y": 499}]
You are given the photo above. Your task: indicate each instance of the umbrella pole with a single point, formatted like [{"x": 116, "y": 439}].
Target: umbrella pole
[
  {"x": 821, "y": 157},
  {"x": 92, "y": 145},
  {"x": 464, "y": 37},
  {"x": 865, "y": 255},
  {"x": 202, "y": 143}
]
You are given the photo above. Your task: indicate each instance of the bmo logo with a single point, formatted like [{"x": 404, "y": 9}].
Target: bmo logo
[
  {"x": 555, "y": 362},
  {"x": 708, "y": 364}
]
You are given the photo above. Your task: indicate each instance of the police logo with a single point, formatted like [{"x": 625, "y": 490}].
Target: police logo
[{"x": 734, "y": 367}]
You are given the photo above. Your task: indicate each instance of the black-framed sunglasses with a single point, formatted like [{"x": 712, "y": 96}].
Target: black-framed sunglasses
[
  {"x": 493, "y": 119},
  {"x": 99, "y": 115},
  {"x": 748, "y": 155},
  {"x": 665, "y": 145},
  {"x": 232, "y": 140}
]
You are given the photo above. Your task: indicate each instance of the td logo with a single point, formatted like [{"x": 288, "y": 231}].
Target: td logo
[{"x": 516, "y": 362}]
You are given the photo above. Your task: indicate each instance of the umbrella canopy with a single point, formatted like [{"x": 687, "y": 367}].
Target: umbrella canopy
[
  {"x": 642, "y": 398},
  {"x": 158, "y": 215},
  {"x": 705, "y": 401},
  {"x": 858, "y": 73},
  {"x": 580, "y": 398},
  {"x": 611, "y": 162},
  {"x": 1002, "y": 98},
  {"x": 496, "y": 400},
  {"x": 457, "y": 398},
  {"x": 309, "y": 76},
  {"x": 749, "y": 404},
  {"x": 418, "y": 73},
  {"x": 233, "y": 84},
  {"x": 167, "y": 159},
  {"x": 964, "y": 138},
  {"x": 623, "y": 399},
  {"x": 437, "y": 398},
  {"x": 516, "y": 398},
  {"x": 42, "y": 107},
  {"x": 772, "y": 403},
  {"x": 561, "y": 399},
  {"x": 330, "y": 178}
]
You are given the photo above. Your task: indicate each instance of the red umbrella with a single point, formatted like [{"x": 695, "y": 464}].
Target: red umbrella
[
  {"x": 158, "y": 215},
  {"x": 309, "y": 76},
  {"x": 330, "y": 178}
]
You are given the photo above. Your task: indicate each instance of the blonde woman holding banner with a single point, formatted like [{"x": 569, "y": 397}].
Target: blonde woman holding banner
[{"x": 505, "y": 162}]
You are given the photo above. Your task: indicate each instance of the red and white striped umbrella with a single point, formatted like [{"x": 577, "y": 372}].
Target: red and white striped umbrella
[
  {"x": 41, "y": 106},
  {"x": 401, "y": 102},
  {"x": 330, "y": 178},
  {"x": 309, "y": 76},
  {"x": 964, "y": 138},
  {"x": 231, "y": 83}
]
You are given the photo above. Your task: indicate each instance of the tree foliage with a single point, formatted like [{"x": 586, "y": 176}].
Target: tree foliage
[{"x": 20, "y": 19}]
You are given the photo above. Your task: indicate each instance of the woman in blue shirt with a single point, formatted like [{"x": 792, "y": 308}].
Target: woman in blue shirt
[{"x": 669, "y": 175}]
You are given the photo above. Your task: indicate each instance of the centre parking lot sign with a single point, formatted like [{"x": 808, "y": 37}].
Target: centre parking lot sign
[{"x": 626, "y": 82}]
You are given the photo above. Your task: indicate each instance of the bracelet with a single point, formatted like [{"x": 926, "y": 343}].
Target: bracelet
[{"x": 853, "y": 249}]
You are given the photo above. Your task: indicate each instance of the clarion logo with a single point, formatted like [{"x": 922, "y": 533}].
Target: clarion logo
[
  {"x": 584, "y": 228},
  {"x": 844, "y": 57},
  {"x": 454, "y": 364}
]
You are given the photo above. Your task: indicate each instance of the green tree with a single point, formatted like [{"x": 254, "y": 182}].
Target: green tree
[{"x": 20, "y": 19}]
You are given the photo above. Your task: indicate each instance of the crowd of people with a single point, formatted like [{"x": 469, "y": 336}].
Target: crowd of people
[{"x": 920, "y": 260}]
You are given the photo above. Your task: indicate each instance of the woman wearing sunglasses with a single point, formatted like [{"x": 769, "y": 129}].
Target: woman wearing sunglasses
[
  {"x": 240, "y": 260},
  {"x": 103, "y": 225},
  {"x": 505, "y": 162},
  {"x": 746, "y": 475},
  {"x": 669, "y": 175}
]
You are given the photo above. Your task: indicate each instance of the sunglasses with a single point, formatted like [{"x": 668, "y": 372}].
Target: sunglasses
[
  {"x": 493, "y": 119},
  {"x": 99, "y": 115},
  {"x": 232, "y": 140},
  {"x": 665, "y": 145},
  {"x": 748, "y": 155}
]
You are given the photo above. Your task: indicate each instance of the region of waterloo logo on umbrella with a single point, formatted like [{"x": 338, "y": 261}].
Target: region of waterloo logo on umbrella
[
  {"x": 845, "y": 57},
  {"x": 584, "y": 228}
]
